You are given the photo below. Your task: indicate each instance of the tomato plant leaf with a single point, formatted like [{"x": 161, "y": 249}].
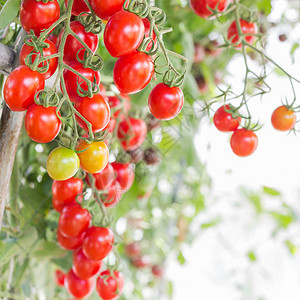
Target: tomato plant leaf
[
  {"x": 270, "y": 191},
  {"x": 8, "y": 12}
]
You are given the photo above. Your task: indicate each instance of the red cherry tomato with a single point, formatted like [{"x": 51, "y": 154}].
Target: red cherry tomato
[
  {"x": 132, "y": 133},
  {"x": 141, "y": 262},
  {"x": 53, "y": 38},
  {"x": 53, "y": 62},
  {"x": 77, "y": 287},
  {"x": 66, "y": 191},
  {"x": 123, "y": 34},
  {"x": 95, "y": 157},
  {"x": 243, "y": 142},
  {"x": 72, "y": 45},
  {"x": 96, "y": 110},
  {"x": 37, "y": 15},
  {"x": 21, "y": 86},
  {"x": 60, "y": 278},
  {"x": 125, "y": 175},
  {"x": 78, "y": 7},
  {"x": 133, "y": 72},
  {"x": 283, "y": 119},
  {"x": 165, "y": 102},
  {"x": 224, "y": 120},
  {"x": 111, "y": 125},
  {"x": 97, "y": 242},
  {"x": 58, "y": 206},
  {"x": 42, "y": 124},
  {"x": 71, "y": 79},
  {"x": 113, "y": 196},
  {"x": 120, "y": 106},
  {"x": 104, "y": 9},
  {"x": 133, "y": 250},
  {"x": 200, "y": 7},
  {"x": 104, "y": 178},
  {"x": 158, "y": 271},
  {"x": 83, "y": 267},
  {"x": 69, "y": 243},
  {"x": 74, "y": 220},
  {"x": 147, "y": 34},
  {"x": 110, "y": 287},
  {"x": 247, "y": 28}
]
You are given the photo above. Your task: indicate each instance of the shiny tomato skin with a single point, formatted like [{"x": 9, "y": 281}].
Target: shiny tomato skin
[
  {"x": 72, "y": 45},
  {"x": 74, "y": 220},
  {"x": 20, "y": 87},
  {"x": 132, "y": 133},
  {"x": 97, "y": 242},
  {"x": 53, "y": 62},
  {"x": 133, "y": 72},
  {"x": 71, "y": 79},
  {"x": 283, "y": 119},
  {"x": 62, "y": 163},
  {"x": 78, "y": 7},
  {"x": 247, "y": 28},
  {"x": 53, "y": 38},
  {"x": 243, "y": 142},
  {"x": 77, "y": 287},
  {"x": 125, "y": 174},
  {"x": 113, "y": 195},
  {"x": 165, "y": 102},
  {"x": 120, "y": 106},
  {"x": 60, "y": 278},
  {"x": 110, "y": 286},
  {"x": 69, "y": 243},
  {"x": 224, "y": 121},
  {"x": 42, "y": 124},
  {"x": 104, "y": 178},
  {"x": 96, "y": 111},
  {"x": 37, "y": 15},
  {"x": 123, "y": 34},
  {"x": 110, "y": 127},
  {"x": 58, "y": 206},
  {"x": 200, "y": 7},
  {"x": 147, "y": 34},
  {"x": 66, "y": 191},
  {"x": 104, "y": 9},
  {"x": 83, "y": 267}
]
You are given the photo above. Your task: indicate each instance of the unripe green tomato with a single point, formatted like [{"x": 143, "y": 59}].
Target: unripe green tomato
[{"x": 62, "y": 163}]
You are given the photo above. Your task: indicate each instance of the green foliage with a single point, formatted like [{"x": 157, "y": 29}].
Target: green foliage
[{"x": 8, "y": 12}]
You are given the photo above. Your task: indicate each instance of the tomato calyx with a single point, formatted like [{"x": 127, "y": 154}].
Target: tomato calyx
[
  {"x": 47, "y": 98},
  {"x": 90, "y": 60},
  {"x": 139, "y": 7},
  {"x": 91, "y": 23}
]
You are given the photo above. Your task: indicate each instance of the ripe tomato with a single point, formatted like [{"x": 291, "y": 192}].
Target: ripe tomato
[
  {"x": 95, "y": 158},
  {"x": 104, "y": 9},
  {"x": 69, "y": 243},
  {"x": 62, "y": 163},
  {"x": 60, "y": 278},
  {"x": 200, "y": 6},
  {"x": 157, "y": 271},
  {"x": 247, "y": 28},
  {"x": 123, "y": 34},
  {"x": 133, "y": 72},
  {"x": 78, "y": 7},
  {"x": 71, "y": 79},
  {"x": 58, "y": 206},
  {"x": 21, "y": 86},
  {"x": 165, "y": 102},
  {"x": 97, "y": 242},
  {"x": 83, "y": 267},
  {"x": 77, "y": 287},
  {"x": 96, "y": 110},
  {"x": 72, "y": 45},
  {"x": 119, "y": 107},
  {"x": 125, "y": 175},
  {"x": 224, "y": 121},
  {"x": 133, "y": 250},
  {"x": 111, "y": 125},
  {"x": 53, "y": 38},
  {"x": 113, "y": 195},
  {"x": 66, "y": 191},
  {"x": 132, "y": 133},
  {"x": 42, "y": 124},
  {"x": 104, "y": 178},
  {"x": 283, "y": 119},
  {"x": 110, "y": 286},
  {"x": 37, "y": 15},
  {"x": 147, "y": 34},
  {"x": 74, "y": 220},
  {"x": 243, "y": 142},
  {"x": 53, "y": 62},
  {"x": 141, "y": 262}
]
